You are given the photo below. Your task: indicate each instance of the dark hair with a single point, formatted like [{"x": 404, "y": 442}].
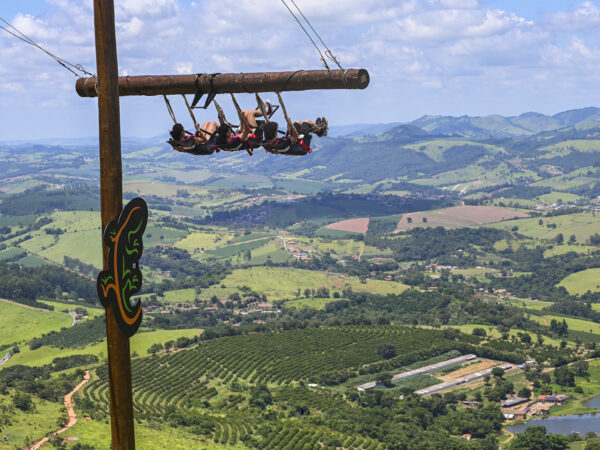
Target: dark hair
[
  {"x": 221, "y": 134},
  {"x": 176, "y": 131},
  {"x": 270, "y": 130}
]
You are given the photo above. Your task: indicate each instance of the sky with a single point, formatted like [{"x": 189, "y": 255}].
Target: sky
[{"x": 441, "y": 57}]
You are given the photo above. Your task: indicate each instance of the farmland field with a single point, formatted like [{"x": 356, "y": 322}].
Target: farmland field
[
  {"x": 458, "y": 216},
  {"x": 580, "y": 282},
  {"x": 352, "y": 225},
  {"x": 581, "y": 225},
  {"x": 20, "y": 324},
  {"x": 279, "y": 283}
]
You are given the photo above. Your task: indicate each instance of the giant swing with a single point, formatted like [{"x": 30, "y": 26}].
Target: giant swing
[{"x": 123, "y": 227}]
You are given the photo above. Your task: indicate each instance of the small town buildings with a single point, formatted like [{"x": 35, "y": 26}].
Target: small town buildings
[{"x": 555, "y": 399}]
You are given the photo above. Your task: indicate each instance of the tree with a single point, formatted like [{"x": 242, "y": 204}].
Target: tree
[
  {"x": 307, "y": 292},
  {"x": 498, "y": 372},
  {"x": 559, "y": 239},
  {"x": 385, "y": 378},
  {"x": 424, "y": 219},
  {"x": 386, "y": 351},
  {"x": 22, "y": 401},
  {"x": 572, "y": 239},
  {"x": 409, "y": 219},
  {"x": 524, "y": 393},
  {"x": 564, "y": 377},
  {"x": 260, "y": 397},
  {"x": 154, "y": 349},
  {"x": 535, "y": 438},
  {"x": 478, "y": 332},
  {"x": 581, "y": 368}
]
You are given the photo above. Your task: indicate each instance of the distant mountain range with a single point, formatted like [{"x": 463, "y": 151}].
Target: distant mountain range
[{"x": 495, "y": 125}]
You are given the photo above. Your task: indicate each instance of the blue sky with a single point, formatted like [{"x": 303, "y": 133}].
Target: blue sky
[{"x": 449, "y": 57}]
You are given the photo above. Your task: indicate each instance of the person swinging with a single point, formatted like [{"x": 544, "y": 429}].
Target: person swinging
[
  {"x": 199, "y": 143},
  {"x": 297, "y": 140},
  {"x": 249, "y": 133}
]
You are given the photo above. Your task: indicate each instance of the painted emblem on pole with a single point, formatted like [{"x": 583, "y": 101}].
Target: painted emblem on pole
[{"x": 123, "y": 277}]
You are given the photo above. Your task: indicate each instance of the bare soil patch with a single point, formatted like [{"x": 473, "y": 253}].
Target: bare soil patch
[
  {"x": 482, "y": 365},
  {"x": 352, "y": 225},
  {"x": 457, "y": 216}
]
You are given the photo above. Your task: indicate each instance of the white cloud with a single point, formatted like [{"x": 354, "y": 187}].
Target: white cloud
[
  {"x": 583, "y": 16},
  {"x": 436, "y": 45}
]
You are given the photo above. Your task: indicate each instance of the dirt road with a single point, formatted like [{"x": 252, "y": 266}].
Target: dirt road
[{"x": 70, "y": 411}]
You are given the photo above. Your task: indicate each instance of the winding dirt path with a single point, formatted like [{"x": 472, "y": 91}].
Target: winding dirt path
[{"x": 70, "y": 411}]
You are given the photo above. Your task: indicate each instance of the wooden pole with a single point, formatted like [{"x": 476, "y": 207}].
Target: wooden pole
[
  {"x": 111, "y": 193},
  {"x": 233, "y": 83}
]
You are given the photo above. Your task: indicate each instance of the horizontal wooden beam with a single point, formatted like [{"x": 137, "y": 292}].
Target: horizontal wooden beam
[{"x": 300, "y": 80}]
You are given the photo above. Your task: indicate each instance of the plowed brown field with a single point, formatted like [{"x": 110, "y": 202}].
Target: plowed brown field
[
  {"x": 353, "y": 225},
  {"x": 458, "y": 216}
]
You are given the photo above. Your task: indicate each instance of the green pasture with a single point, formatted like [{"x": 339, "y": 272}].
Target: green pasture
[
  {"x": 232, "y": 250},
  {"x": 140, "y": 343},
  {"x": 494, "y": 333},
  {"x": 10, "y": 253},
  {"x": 558, "y": 197},
  {"x": 83, "y": 245},
  {"x": 93, "y": 310},
  {"x": 180, "y": 296},
  {"x": 272, "y": 251},
  {"x": 21, "y": 324},
  {"x": 335, "y": 234},
  {"x": 566, "y": 248},
  {"x": 573, "y": 324},
  {"x": 203, "y": 240},
  {"x": 580, "y": 282},
  {"x": 279, "y": 283},
  {"x": 23, "y": 428},
  {"x": 565, "y": 147},
  {"x": 529, "y": 304},
  {"x": 97, "y": 434},
  {"x": 582, "y": 225},
  {"x": 513, "y": 202},
  {"x": 161, "y": 235},
  {"x": 314, "y": 303},
  {"x": 435, "y": 149}
]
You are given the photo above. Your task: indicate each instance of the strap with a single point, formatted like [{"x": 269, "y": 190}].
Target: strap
[
  {"x": 199, "y": 92},
  {"x": 170, "y": 109},
  {"x": 241, "y": 116}
]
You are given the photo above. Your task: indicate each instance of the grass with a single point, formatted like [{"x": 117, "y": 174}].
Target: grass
[
  {"x": 582, "y": 225},
  {"x": 140, "y": 343},
  {"x": 575, "y": 403},
  {"x": 558, "y": 197},
  {"x": 18, "y": 323},
  {"x": 97, "y": 434},
  {"x": 580, "y": 282},
  {"x": 314, "y": 303},
  {"x": 25, "y": 427},
  {"x": 530, "y": 304},
  {"x": 573, "y": 324},
  {"x": 93, "y": 311},
  {"x": 180, "y": 296},
  {"x": 493, "y": 332},
  {"x": 203, "y": 240},
  {"x": 279, "y": 283},
  {"x": 566, "y": 248}
]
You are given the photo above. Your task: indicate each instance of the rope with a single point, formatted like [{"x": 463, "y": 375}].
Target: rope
[
  {"x": 288, "y": 80},
  {"x": 261, "y": 106},
  {"x": 189, "y": 109},
  {"x": 137, "y": 91},
  {"x": 63, "y": 62},
  {"x": 285, "y": 114},
  {"x": 328, "y": 52},
  {"x": 170, "y": 109},
  {"x": 323, "y": 60},
  {"x": 241, "y": 116}
]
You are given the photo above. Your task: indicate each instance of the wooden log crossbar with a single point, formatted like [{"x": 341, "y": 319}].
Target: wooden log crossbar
[{"x": 232, "y": 83}]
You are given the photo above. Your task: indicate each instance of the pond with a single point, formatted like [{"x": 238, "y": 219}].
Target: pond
[{"x": 565, "y": 425}]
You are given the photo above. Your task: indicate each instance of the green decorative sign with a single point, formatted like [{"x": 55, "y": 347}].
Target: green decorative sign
[{"x": 123, "y": 277}]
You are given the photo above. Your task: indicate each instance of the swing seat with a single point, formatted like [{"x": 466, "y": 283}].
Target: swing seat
[{"x": 189, "y": 146}]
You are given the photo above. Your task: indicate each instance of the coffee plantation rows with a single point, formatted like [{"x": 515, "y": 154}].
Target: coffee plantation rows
[{"x": 217, "y": 375}]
